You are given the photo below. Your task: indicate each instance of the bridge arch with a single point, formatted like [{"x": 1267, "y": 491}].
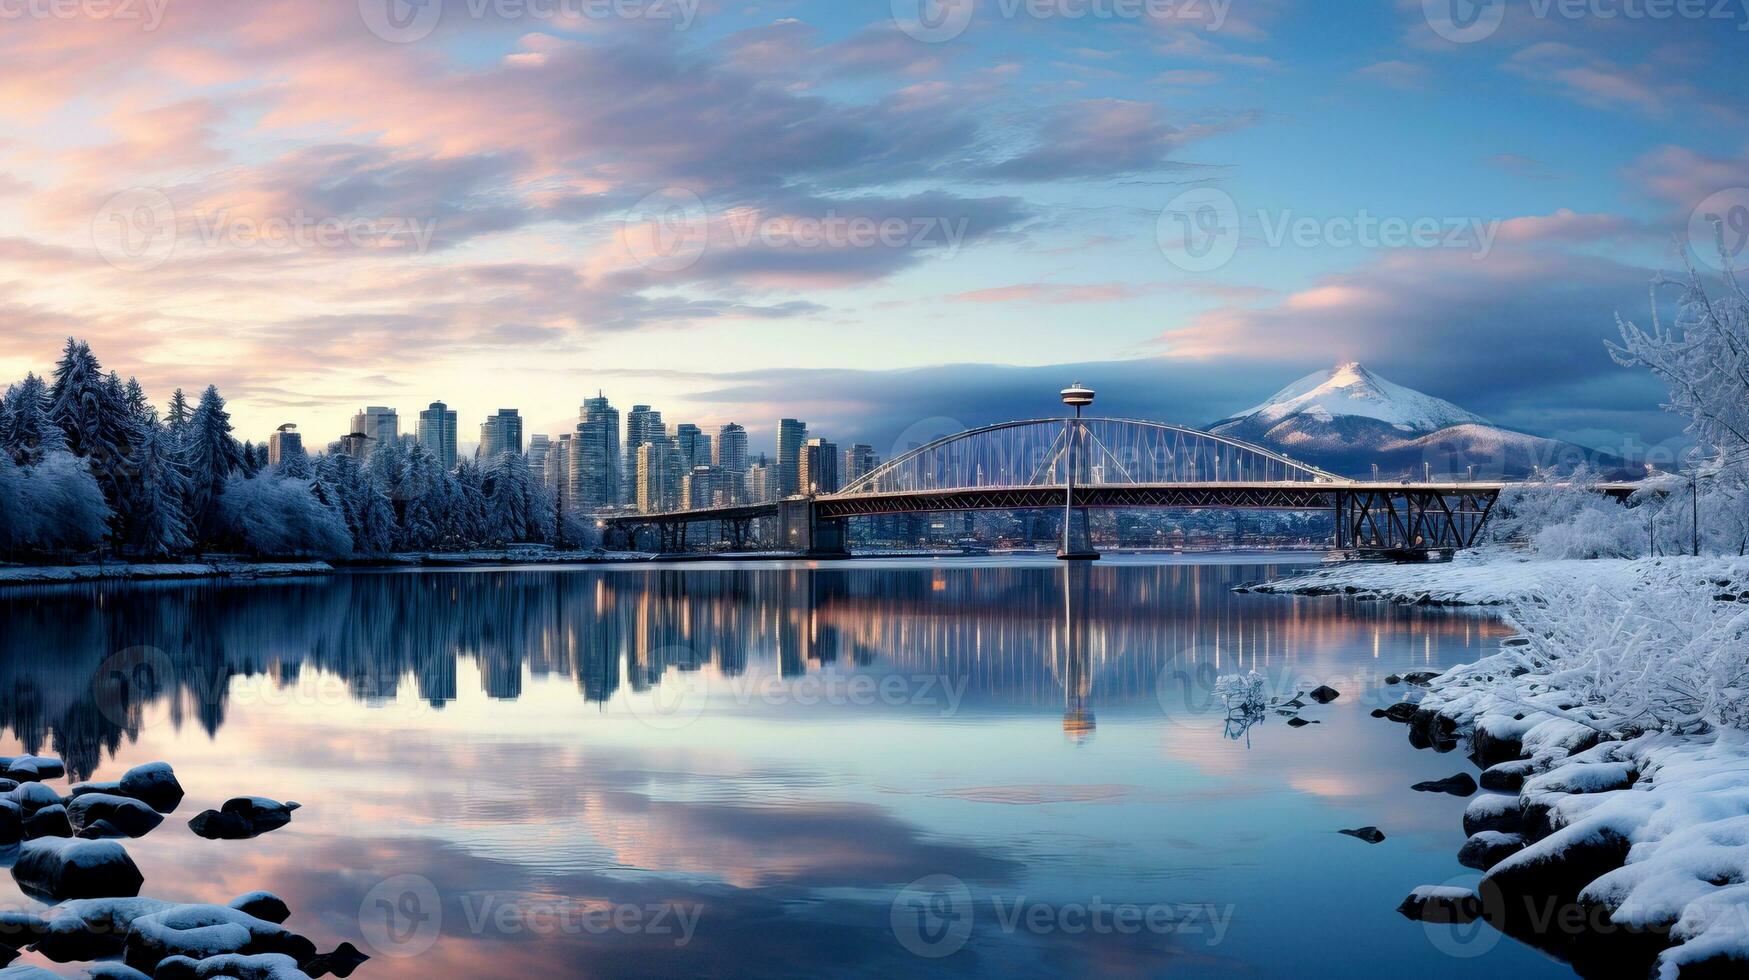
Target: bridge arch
[{"x": 1112, "y": 452}]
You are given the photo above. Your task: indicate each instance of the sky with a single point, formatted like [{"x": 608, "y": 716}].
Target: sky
[{"x": 885, "y": 218}]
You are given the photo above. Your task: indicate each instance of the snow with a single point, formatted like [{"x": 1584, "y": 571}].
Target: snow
[
  {"x": 1441, "y": 893},
  {"x": 1492, "y": 576},
  {"x": 1350, "y": 389},
  {"x": 125, "y": 571}
]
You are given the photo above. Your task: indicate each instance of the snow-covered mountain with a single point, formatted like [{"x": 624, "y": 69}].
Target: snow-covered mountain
[{"x": 1347, "y": 419}]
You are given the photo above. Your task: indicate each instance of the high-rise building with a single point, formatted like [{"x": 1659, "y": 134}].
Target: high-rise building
[
  {"x": 643, "y": 424},
  {"x": 437, "y": 433},
  {"x": 703, "y": 487},
  {"x": 594, "y": 472},
  {"x": 729, "y": 456},
  {"x": 283, "y": 443},
  {"x": 539, "y": 445},
  {"x": 695, "y": 446},
  {"x": 818, "y": 470},
  {"x": 380, "y": 424},
  {"x": 355, "y": 444},
  {"x": 760, "y": 484},
  {"x": 859, "y": 461},
  {"x": 558, "y": 474},
  {"x": 500, "y": 434},
  {"x": 659, "y": 476},
  {"x": 791, "y": 433}
]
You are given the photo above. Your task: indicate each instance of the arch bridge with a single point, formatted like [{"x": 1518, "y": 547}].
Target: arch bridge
[{"x": 1095, "y": 463}]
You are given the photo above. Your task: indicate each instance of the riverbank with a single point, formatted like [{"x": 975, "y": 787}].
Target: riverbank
[
  {"x": 132, "y": 572},
  {"x": 1612, "y": 738}
]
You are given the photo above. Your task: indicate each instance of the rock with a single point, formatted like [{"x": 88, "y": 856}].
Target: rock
[
  {"x": 263, "y": 813},
  {"x": 50, "y": 821},
  {"x": 1402, "y": 712},
  {"x": 114, "y": 971},
  {"x": 1532, "y": 882},
  {"x": 344, "y": 959},
  {"x": 31, "y": 768},
  {"x": 1516, "y": 641},
  {"x": 110, "y": 786},
  {"x": 201, "y": 932},
  {"x": 214, "y": 825},
  {"x": 153, "y": 784},
  {"x": 230, "y": 966},
  {"x": 55, "y": 869},
  {"x": 1298, "y": 722},
  {"x": 1324, "y": 694},
  {"x": 1393, "y": 679},
  {"x": 11, "y": 823},
  {"x": 1372, "y": 835},
  {"x": 1441, "y": 903},
  {"x": 1493, "y": 811},
  {"x": 1489, "y": 747},
  {"x": 1379, "y": 713},
  {"x": 263, "y": 905},
  {"x": 1420, "y": 677},
  {"x": 130, "y": 817},
  {"x": 1462, "y": 784},
  {"x": 1507, "y": 777},
  {"x": 32, "y": 797},
  {"x": 1488, "y": 848}
]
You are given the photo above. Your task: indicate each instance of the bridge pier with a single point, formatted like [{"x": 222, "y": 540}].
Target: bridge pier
[{"x": 805, "y": 532}]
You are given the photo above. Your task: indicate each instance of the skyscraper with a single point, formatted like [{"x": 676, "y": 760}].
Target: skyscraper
[
  {"x": 500, "y": 434},
  {"x": 659, "y": 475},
  {"x": 818, "y": 471},
  {"x": 380, "y": 424},
  {"x": 695, "y": 446},
  {"x": 643, "y": 424},
  {"x": 595, "y": 480},
  {"x": 437, "y": 433},
  {"x": 558, "y": 474},
  {"x": 859, "y": 460},
  {"x": 539, "y": 445},
  {"x": 761, "y": 484},
  {"x": 703, "y": 487},
  {"x": 283, "y": 443},
  {"x": 729, "y": 456},
  {"x": 791, "y": 433}
]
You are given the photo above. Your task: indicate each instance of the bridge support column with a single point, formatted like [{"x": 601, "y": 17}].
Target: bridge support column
[{"x": 804, "y": 531}]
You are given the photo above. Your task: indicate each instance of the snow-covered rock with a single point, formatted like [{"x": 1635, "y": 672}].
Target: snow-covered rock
[
  {"x": 55, "y": 869},
  {"x": 126, "y": 815},
  {"x": 242, "y": 817}
]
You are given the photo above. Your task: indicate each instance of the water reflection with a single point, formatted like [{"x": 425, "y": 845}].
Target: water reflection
[
  {"x": 77, "y": 665},
  {"x": 489, "y": 733}
]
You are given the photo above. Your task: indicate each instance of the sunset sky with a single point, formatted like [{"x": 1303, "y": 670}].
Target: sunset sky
[{"x": 319, "y": 204}]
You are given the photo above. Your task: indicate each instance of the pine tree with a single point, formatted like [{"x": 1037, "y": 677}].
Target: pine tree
[
  {"x": 211, "y": 455},
  {"x": 157, "y": 514},
  {"x": 176, "y": 418},
  {"x": 28, "y": 432}
]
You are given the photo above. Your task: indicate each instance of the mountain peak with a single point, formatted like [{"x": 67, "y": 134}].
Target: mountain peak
[{"x": 1349, "y": 389}]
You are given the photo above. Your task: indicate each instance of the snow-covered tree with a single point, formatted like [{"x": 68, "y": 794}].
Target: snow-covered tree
[
  {"x": 27, "y": 431},
  {"x": 54, "y": 506},
  {"x": 157, "y": 514},
  {"x": 277, "y": 517},
  {"x": 211, "y": 455}
]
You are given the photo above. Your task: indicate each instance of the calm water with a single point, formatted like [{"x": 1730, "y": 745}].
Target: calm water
[{"x": 968, "y": 768}]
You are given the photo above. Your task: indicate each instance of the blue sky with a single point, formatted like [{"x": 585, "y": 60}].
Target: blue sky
[{"x": 501, "y": 203}]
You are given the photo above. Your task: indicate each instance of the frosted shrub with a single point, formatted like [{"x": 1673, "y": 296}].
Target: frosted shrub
[
  {"x": 1609, "y": 531},
  {"x": 280, "y": 517},
  {"x": 1241, "y": 692},
  {"x": 54, "y": 506}
]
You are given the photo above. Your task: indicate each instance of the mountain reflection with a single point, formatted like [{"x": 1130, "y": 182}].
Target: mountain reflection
[{"x": 79, "y": 665}]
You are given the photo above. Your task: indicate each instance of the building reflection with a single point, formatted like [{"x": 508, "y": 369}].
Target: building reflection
[{"x": 79, "y": 665}]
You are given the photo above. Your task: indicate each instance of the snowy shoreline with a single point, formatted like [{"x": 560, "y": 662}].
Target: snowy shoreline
[
  {"x": 129, "y": 572},
  {"x": 1613, "y": 824}
]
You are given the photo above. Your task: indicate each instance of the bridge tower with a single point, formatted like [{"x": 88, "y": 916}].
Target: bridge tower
[{"x": 1077, "y": 535}]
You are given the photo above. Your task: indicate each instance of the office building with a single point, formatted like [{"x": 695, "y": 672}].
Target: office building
[
  {"x": 659, "y": 476},
  {"x": 284, "y": 442},
  {"x": 643, "y": 424},
  {"x": 703, "y": 487},
  {"x": 500, "y": 434},
  {"x": 558, "y": 470},
  {"x": 729, "y": 456},
  {"x": 818, "y": 469},
  {"x": 355, "y": 444},
  {"x": 539, "y": 445},
  {"x": 379, "y": 424},
  {"x": 695, "y": 446},
  {"x": 791, "y": 433},
  {"x": 859, "y": 461},
  {"x": 437, "y": 433},
  {"x": 595, "y": 462}
]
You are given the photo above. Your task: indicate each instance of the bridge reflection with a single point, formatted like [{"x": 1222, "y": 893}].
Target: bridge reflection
[{"x": 77, "y": 675}]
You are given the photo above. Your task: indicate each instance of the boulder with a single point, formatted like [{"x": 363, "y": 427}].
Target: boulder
[
  {"x": 263, "y": 905},
  {"x": 11, "y": 823},
  {"x": 1298, "y": 722},
  {"x": 1324, "y": 694},
  {"x": 31, "y": 768},
  {"x": 215, "y": 825},
  {"x": 1402, "y": 711},
  {"x": 131, "y": 817},
  {"x": 1372, "y": 835},
  {"x": 1442, "y": 903},
  {"x": 1488, "y": 848},
  {"x": 1393, "y": 679},
  {"x": 50, "y": 821},
  {"x": 1420, "y": 677},
  {"x": 153, "y": 784},
  {"x": 1462, "y": 784},
  {"x": 1493, "y": 811},
  {"x": 1507, "y": 777},
  {"x": 32, "y": 797},
  {"x": 56, "y": 869},
  {"x": 201, "y": 932},
  {"x": 341, "y": 961},
  {"x": 243, "y": 817},
  {"x": 231, "y": 966}
]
